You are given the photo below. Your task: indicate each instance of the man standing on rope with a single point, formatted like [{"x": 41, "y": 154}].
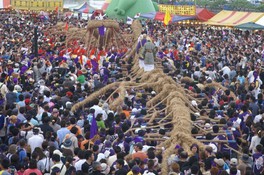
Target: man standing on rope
[
  {"x": 141, "y": 42},
  {"x": 149, "y": 52}
]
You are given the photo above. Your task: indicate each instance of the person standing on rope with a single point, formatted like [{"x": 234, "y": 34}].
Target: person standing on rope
[
  {"x": 142, "y": 40},
  {"x": 149, "y": 52}
]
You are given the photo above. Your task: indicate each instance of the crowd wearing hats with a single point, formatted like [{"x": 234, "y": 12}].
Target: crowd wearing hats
[{"x": 41, "y": 135}]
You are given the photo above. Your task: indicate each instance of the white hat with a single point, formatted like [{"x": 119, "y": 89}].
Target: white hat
[
  {"x": 105, "y": 168},
  {"x": 194, "y": 103},
  {"x": 233, "y": 162},
  {"x": 134, "y": 110},
  {"x": 41, "y": 82},
  {"x": 207, "y": 126},
  {"x": 219, "y": 162},
  {"x": 96, "y": 76},
  {"x": 57, "y": 152},
  {"x": 18, "y": 88},
  {"x": 153, "y": 92},
  {"x": 16, "y": 65}
]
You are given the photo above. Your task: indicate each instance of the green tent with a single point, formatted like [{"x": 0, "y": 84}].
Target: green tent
[
  {"x": 121, "y": 9},
  {"x": 250, "y": 26}
]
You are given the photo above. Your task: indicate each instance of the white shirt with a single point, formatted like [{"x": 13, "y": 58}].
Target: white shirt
[
  {"x": 254, "y": 142},
  {"x": 98, "y": 110},
  {"x": 111, "y": 160},
  {"x": 257, "y": 118},
  {"x": 35, "y": 141},
  {"x": 226, "y": 70},
  {"x": 29, "y": 134},
  {"x": 46, "y": 163},
  {"x": 238, "y": 172},
  {"x": 250, "y": 77},
  {"x": 78, "y": 164}
]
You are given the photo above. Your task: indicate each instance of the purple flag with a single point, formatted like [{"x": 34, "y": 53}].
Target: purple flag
[
  {"x": 93, "y": 128},
  {"x": 101, "y": 30}
]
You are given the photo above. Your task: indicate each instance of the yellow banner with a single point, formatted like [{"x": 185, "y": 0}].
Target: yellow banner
[
  {"x": 37, "y": 5},
  {"x": 188, "y": 10}
]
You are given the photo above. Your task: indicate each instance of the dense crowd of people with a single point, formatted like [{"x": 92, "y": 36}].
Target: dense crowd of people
[{"x": 41, "y": 135}]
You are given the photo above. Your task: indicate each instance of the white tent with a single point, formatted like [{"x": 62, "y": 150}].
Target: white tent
[
  {"x": 260, "y": 21},
  {"x": 4, "y": 4}
]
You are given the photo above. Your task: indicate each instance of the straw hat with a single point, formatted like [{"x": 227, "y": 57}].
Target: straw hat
[
  {"x": 64, "y": 65},
  {"x": 13, "y": 117},
  {"x": 84, "y": 71},
  {"x": 10, "y": 62}
]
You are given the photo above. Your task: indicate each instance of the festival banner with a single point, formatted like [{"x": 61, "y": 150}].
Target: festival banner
[
  {"x": 182, "y": 10},
  {"x": 37, "y": 5}
]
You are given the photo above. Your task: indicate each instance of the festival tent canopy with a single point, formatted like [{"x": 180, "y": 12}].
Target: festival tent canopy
[
  {"x": 159, "y": 16},
  {"x": 106, "y": 4},
  {"x": 250, "y": 26},
  {"x": 233, "y": 18},
  {"x": 260, "y": 21},
  {"x": 5, "y": 4},
  {"x": 150, "y": 15},
  {"x": 84, "y": 8},
  {"x": 177, "y": 18},
  {"x": 202, "y": 14}
]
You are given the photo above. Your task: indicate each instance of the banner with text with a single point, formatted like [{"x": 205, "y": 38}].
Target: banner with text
[
  {"x": 45, "y": 5},
  {"x": 183, "y": 10}
]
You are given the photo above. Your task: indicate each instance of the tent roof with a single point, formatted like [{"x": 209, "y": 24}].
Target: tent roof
[
  {"x": 5, "y": 4},
  {"x": 250, "y": 26},
  {"x": 177, "y": 18},
  {"x": 203, "y": 14},
  {"x": 260, "y": 21},
  {"x": 150, "y": 15},
  {"x": 106, "y": 4},
  {"x": 80, "y": 6},
  {"x": 233, "y": 18},
  {"x": 160, "y": 16},
  {"x": 85, "y": 8}
]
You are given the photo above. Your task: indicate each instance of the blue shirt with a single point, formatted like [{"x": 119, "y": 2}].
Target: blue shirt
[
  {"x": 22, "y": 154},
  {"x": 62, "y": 133}
]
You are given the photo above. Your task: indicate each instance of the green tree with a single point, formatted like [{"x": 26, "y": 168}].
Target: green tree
[
  {"x": 260, "y": 8},
  {"x": 218, "y": 4},
  {"x": 241, "y": 5},
  {"x": 203, "y": 3}
]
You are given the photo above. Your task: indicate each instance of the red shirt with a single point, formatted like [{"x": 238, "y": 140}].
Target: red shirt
[
  {"x": 140, "y": 155},
  {"x": 28, "y": 171}
]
